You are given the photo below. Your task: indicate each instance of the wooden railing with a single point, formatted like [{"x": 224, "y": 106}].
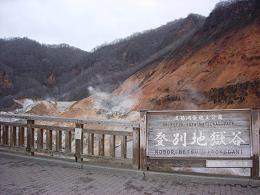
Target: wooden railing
[{"x": 101, "y": 141}]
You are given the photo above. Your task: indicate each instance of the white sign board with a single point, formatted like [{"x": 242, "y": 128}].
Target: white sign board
[
  {"x": 215, "y": 133},
  {"x": 78, "y": 133}
]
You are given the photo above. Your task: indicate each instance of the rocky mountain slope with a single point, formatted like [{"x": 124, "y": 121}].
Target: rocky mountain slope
[
  {"x": 109, "y": 65},
  {"x": 29, "y": 69},
  {"x": 217, "y": 67}
]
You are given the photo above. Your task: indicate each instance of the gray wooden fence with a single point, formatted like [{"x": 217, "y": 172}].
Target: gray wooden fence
[{"x": 55, "y": 136}]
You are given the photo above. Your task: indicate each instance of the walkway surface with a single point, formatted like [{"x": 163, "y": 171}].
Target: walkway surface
[{"x": 27, "y": 175}]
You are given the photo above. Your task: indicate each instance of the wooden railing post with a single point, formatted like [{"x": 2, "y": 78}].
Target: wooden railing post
[
  {"x": 91, "y": 143},
  {"x": 136, "y": 148},
  {"x": 123, "y": 146},
  {"x": 40, "y": 139},
  {"x": 101, "y": 145},
  {"x": 13, "y": 136},
  {"x": 143, "y": 140},
  {"x": 1, "y": 134},
  {"x": 68, "y": 141},
  {"x": 30, "y": 137},
  {"x": 78, "y": 143},
  {"x": 255, "y": 143},
  {"x": 6, "y": 135},
  {"x": 11, "y": 143},
  {"x": 112, "y": 145},
  {"x": 49, "y": 140},
  {"x": 58, "y": 140},
  {"x": 21, "y": 136}
]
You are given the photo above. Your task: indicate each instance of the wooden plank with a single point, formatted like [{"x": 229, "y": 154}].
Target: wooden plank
[
  {"x": 68, "y": 141},
  {"x": 71, "y": 120},
  {"x": 255, "y": 143},
  {"x": 1, "y": 134},
  {"x": 49, "y": 139},
  {"x": 13, "y": 136},
  {"x": 6, "y": 135},
  {"x": 58, "y": 140},
  {"x": 101, "y": 145},
  {"x": 14, "y": 124},
  {"x": 229, "y": 163},
  {"x": 78, "y": 144},
  {"x": 30, "y": 137},
  {"x": 143, "y": 164},
  {"x": 56, "y": 128},
  {"x": 91, "y": 143},
  {"x": 109, "y": 132},
  {"x": 21, "y": 136},
  {"x": 39, "y": 139},
  {"x": 123, "y": 146},
  {"x": 136, "y": 148},
  {"x": 112, "y": 145}
]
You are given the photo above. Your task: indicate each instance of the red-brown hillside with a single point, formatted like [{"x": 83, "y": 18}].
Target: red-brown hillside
[
  {"x": 224, "y": 74},
  {"x": 218, "y": 67}
]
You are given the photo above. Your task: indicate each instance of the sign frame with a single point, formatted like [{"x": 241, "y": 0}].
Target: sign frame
[
  {"x": 169, "y": 164},
  {"x": 196, "y": 111}
]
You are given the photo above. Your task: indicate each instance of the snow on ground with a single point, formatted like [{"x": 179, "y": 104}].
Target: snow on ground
[{"x": 41, "y": 107}]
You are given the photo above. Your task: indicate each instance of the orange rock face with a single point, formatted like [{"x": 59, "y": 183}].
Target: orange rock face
[
  {"x": 230, "y": 63},
  {"x": 44, "y": 108},
  {"x": 223, "y": 74}
]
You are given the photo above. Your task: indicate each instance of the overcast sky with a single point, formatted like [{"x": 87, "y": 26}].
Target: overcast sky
[{"x": 89, "y": 23}]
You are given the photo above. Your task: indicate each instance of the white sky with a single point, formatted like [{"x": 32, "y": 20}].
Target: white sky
[{"x": 89, "y": 23}]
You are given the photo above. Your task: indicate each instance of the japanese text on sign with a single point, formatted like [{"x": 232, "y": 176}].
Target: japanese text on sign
[{"x": 199, "y": 134}]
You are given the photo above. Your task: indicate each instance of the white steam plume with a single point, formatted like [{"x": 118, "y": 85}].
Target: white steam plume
[{"x": 111, "y": 105}]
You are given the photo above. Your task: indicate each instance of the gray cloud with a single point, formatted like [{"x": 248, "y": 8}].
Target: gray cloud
[{"x": 89, "y": 23}]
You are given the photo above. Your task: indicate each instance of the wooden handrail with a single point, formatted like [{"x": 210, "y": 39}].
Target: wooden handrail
[
  {"x": 71, "y": 120},
  {"x": 32, "y": 130}
]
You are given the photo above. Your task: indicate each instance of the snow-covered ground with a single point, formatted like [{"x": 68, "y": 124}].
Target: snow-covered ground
[
  {"x": 37, "y": 107},
  {"x": 29, "y": 105},
  {"x": 26, "y": 104}
]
